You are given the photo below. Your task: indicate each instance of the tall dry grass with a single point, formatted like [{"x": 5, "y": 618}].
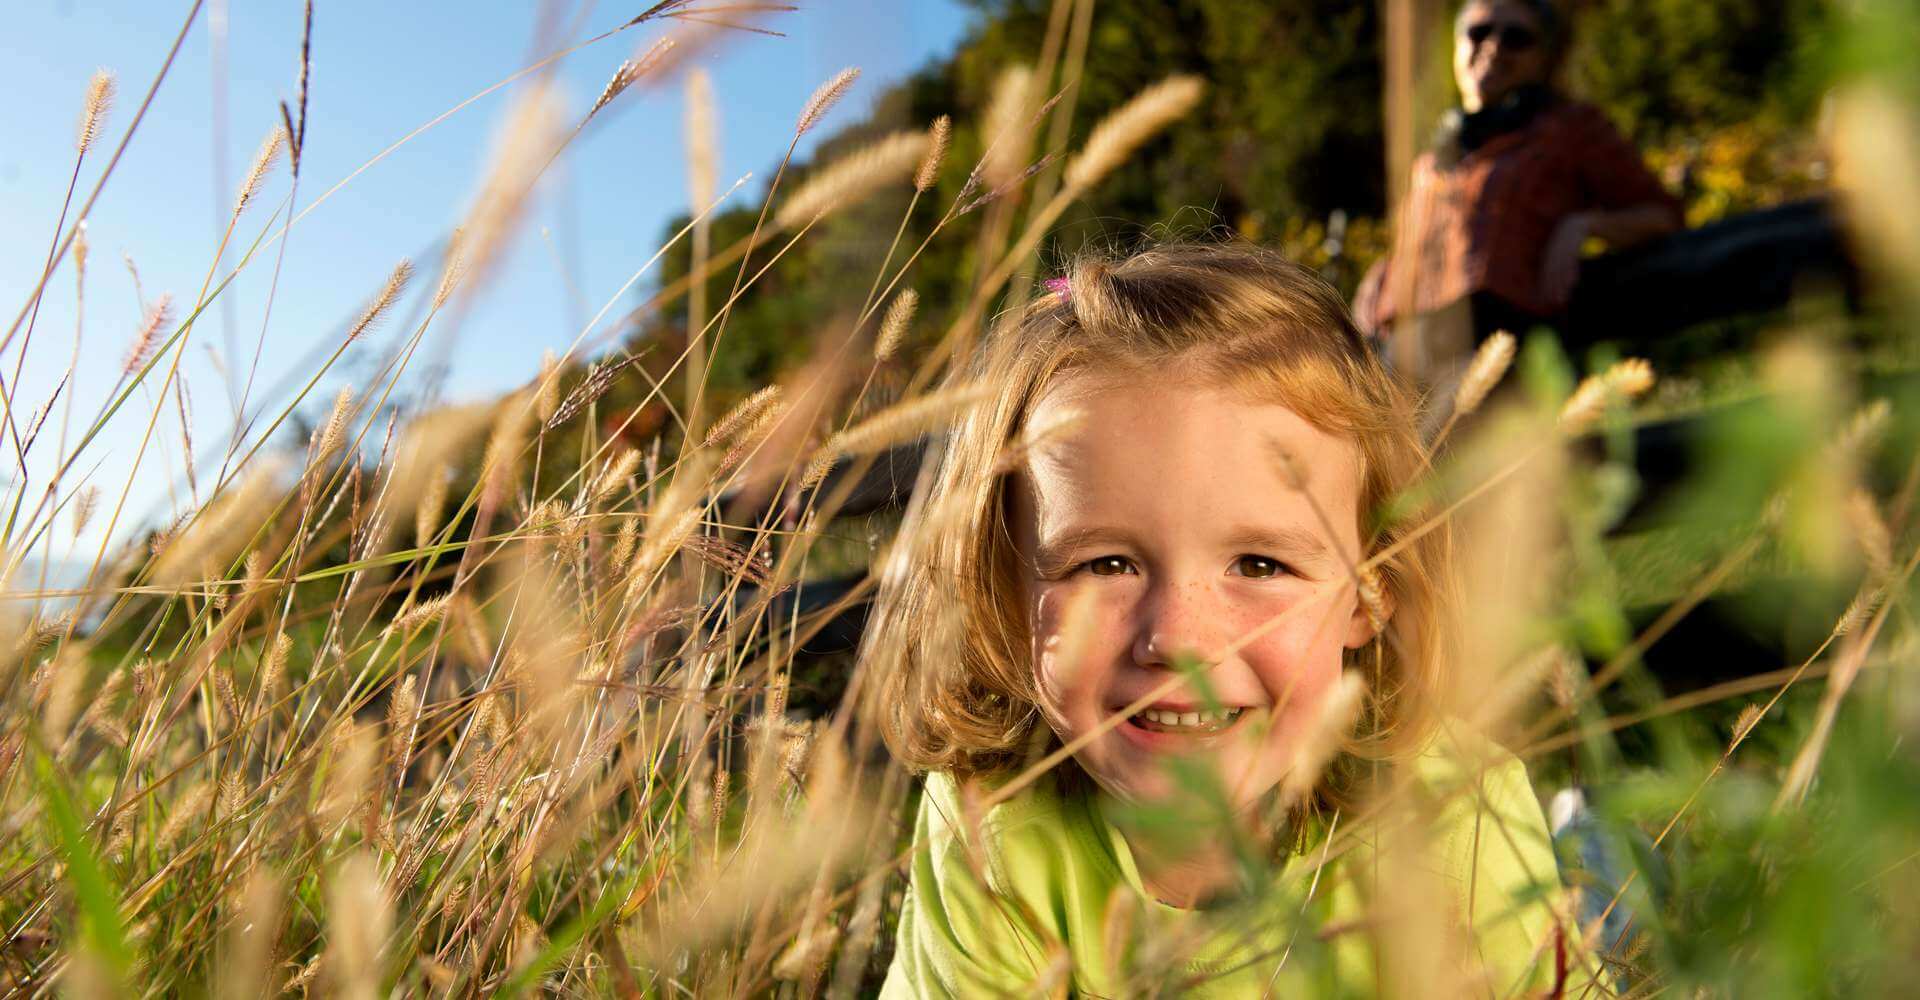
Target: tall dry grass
[{"x": 385, "y": 714}]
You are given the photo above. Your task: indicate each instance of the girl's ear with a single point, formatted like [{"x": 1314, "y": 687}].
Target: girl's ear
[{"x": 1372, "y": 609}]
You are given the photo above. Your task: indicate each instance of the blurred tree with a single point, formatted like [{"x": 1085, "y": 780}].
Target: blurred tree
[{"x": 1671, "y": 69}]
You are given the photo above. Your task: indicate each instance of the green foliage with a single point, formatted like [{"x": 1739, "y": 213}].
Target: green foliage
[{"x": 1683, "y": 68}]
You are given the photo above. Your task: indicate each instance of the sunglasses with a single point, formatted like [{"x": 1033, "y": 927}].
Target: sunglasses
[{"x": 1514, "y": 37}]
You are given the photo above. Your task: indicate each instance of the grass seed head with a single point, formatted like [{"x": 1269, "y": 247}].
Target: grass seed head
[
  {"x": 453, "y": 265},
  {"x": 189, "y": 810},
  {"x": 420, "y": 615},
  {"x": 84, "y": 505},
  {"x": 426, "y": 515},
  {"x": 253, "y": 937},
  {"x": 37, "y": 636},
  {"x": 895, "y": 424},
  {"x": 1862, "y": 607},
  {"x": 625, "y": 538},
  {"x": 1743, "y": 726},
  {"x": 807, "y": 954},
  {"x": 263, "y": 162},
  {"x": 389, "y": 293},
  {"x": 1861, "y": 434},
  {"x": 893, "y": 329},
  {"x": 275, "y": 665},
  {"x": 1489, "y": 365},
  {"x": 93, "y": 114},
  {"x": 329, "y": 435},
  {"x": 257, "y": 567},
  {"x": 1007, "y": 129},
  {"x": 852, "y": 177},
  {"x": 403, "y": 711},
  {"x": 526, "y": 142},
  {"x": 233, "y": 795},
  {"x": 1626, "y": 380},
  {"x": 824, "y": 98},
  {"x": 939, "y": 135},
  {"x": 65, "y": 678},
  {"x": 750, "y": 436},
  {"x": 614, "y": 475},
  {"x": 512, "y": 422},
  {"x": 1373, "y": 597},
  {"x": 359, "y": 913},
  {"x": 152, "y": 330},
  {"x": 1120, "y": 133},
  {"x": 1870, "y": 531},
  {"x": 598, "y": 380},
  {"x": 547, "y": 396},
  {"x": 224, "y": 689},
  {"x": 744, "y": 416},
  {"x": 623, "y": 77},
  {"x": 657, "y": 57},
  {"x": 1566, "y": 680},
  {"x": 663, "y": 539},
  {"x": 733, "y": 559},
  {"x": 219, "y": 532}
]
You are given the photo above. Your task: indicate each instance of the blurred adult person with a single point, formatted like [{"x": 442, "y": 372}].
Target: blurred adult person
[{"x": 1498, "y": 211}]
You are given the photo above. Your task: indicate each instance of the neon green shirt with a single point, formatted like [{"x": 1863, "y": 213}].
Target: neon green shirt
[{"x": 1047, "y": 896}]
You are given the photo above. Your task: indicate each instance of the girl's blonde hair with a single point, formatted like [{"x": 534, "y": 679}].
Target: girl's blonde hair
[{"x": 949, "y": 678}]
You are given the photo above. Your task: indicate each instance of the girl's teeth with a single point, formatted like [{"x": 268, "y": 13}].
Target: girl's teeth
[{"x": 1188, "y": 720}]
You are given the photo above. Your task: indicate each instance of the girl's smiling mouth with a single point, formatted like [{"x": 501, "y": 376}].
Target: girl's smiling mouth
[{"x": 1161, "y": 727}]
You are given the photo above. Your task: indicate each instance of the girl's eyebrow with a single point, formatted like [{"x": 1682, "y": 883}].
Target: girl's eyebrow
[
  {"x": 1055, "y": 551},
  {"x": 1294, "y": 541}
]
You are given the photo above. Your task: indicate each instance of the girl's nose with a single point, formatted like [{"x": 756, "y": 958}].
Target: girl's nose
[{"x": 1177, "y": 620}]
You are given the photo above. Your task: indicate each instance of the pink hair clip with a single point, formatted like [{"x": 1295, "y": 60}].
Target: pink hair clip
[{"x": 1057, "y": 286}]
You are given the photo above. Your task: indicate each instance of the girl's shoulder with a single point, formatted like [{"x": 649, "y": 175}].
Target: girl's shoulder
[
  {"x": 1045, "y": 825},
  {"x": 995, "y": 884},
  {"x": 988, "y": 800},
  {"x": 1491, "y": 848},
  {"x": 1476, "y": 787},
  {"x": 1459, "y": 754}
]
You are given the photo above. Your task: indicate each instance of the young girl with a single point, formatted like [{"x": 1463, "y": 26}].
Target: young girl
[{"x": 1146, "y": 552}]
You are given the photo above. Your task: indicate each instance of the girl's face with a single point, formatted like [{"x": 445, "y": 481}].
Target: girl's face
[{"x": 1155, "y": 523}]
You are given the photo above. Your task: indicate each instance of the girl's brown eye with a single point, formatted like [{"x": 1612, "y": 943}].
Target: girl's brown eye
[
  {"x": 1257, "y": 567},
  {"x": 1109, "y": 566}
]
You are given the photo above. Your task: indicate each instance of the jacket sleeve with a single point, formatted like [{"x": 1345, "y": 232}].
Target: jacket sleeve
[{"x": 957, "y": 936}]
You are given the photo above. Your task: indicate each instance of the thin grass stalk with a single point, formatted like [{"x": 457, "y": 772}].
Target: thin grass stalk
[
  {"x": 86, "y": 207},
  {"x": 295, "y": 129},
  {"x": 99, "y": 99},
  {"x": 700, "y": 171},
  {"x": 1806, "y": 761},
  {"x": 816, "y": 108}
]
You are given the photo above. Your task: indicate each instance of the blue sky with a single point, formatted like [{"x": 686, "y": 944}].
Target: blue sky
[{"x": 379, "y": 71}]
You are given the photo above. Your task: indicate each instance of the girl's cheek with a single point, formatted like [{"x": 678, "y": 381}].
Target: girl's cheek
[
  {"x": 1073, "y": 626},
  {"x": 1302, "y": 653}
]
